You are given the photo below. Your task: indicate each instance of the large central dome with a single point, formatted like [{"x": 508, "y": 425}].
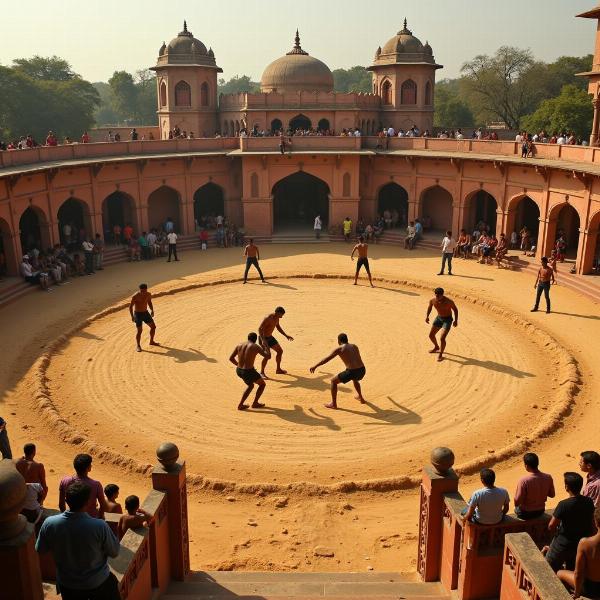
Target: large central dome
[{"x": 295, "y": 72}]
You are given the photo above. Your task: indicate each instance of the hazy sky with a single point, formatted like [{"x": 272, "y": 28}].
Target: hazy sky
[{"x": 100, "y": 36}]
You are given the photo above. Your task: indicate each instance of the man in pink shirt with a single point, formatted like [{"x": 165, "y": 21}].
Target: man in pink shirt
[
  {"x": 96, "y": 505},
  {"x": 533, "y": 490},
  {"x": 590, "y": 463}
]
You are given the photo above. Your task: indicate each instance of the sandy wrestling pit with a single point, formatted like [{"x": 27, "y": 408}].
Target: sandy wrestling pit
[{"x": 123, "y": 404}]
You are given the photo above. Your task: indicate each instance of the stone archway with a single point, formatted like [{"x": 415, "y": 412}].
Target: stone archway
[
  {"x": 7, "y": 248},
  {"x": 480, "y": 208},
  {"x": 33, "y": 229},
  {"x": 74, "y": 222},
  {"x": 163, "y": 204},
  {"x": 393, "y": 197},
  {"x": 298, "y": 199},
  {"x": 591, "y": 253},
  {"x": 117, "y": 209},
  {"x": 209, "y": 201},
  {"x": 276, "y": 126},
  {"x": 324, "y": 125},
  {"x": 300, "y": 122},
  {"x": 523, "y": 212},
  {"x": 437, "y": 209},
  {"x": 564, "y": 221}
]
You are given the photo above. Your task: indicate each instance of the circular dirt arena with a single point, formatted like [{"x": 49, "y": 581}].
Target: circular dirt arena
[{"x": 102, "y": 394}]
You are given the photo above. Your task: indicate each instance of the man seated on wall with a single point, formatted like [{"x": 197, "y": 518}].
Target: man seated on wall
[
  {"x": 571, "y": 521},
  {"x": 489, "y": 504},
  {"x": 533, "y": 490}
]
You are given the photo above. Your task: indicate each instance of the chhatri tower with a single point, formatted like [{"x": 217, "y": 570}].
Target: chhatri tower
[{"x": 296, "y": 91}]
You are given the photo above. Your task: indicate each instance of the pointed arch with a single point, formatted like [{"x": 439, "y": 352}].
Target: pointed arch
[
  {"x": 163, "y": 93},
  {"x": 33, "y": 229},
  {"x": 8, "y": 249},
  {"x": 428, "y": 94},
  {"x": 386, "y": 92},
  {"x": 209, "y": 200},
  {"x": 118, "y": 208},
  {"x": 300, "y": 122},
  {"x": 204, "y": 95},
  {"x": 276, "y": 125},
  {"x": 408, "y": 92},
  {"x": 164, "y": 203},
  {"x": 391, "y": 198},
  {"x": 74, "y": 214},
  {"x": 183, "y": 94},
  {"x": 437, "y": 208}
]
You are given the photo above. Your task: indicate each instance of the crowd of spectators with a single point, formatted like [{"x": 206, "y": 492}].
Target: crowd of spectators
[{"x": 574, "y": 525}]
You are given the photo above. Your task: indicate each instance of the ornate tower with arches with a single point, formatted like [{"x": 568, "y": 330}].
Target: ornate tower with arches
[
  {"x": 404, "y": 77},
  {"x": 186, "y": 78}
]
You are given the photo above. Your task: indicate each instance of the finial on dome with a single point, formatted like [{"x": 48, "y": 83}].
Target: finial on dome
[
  {"x": 406, "y": 30},
  {"x": 297, "y": 49},
  {"x": 405, "y": 23},
  {"x": 185, "y": 25}
]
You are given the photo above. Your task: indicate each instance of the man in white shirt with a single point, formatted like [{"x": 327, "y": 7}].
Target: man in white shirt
[
  {"x": 519, "y": 138},
  {"x": 152, "y": 238},
  {"x": 561, "y": 140},
  {"x": 32, "y": 276},
  {"x": 88, "y": 251},
  {"x": 391, "y": 132},
  {"x": 318, "y": 226},
  {"x": 448, "y": 245},
  {"x": 172, "y": 239},
  {"x": 219, "y": 220},
  {"x": 459, "y": 135}
]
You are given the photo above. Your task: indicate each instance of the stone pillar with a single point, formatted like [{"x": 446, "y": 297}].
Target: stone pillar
[
  {"x": 20, "y": 575},
  {"x": 438, "y": 479},
  {"x": 594, "y": 137},
  {"x": 587, "y": 253},
  {"x": 169, "y": 477}
]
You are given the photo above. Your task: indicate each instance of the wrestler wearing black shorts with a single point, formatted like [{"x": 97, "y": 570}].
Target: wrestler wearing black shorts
[
  {"x": 142, "y": 317},
  {"x": 248, "y": 376},
  {"x": 352, "y": 375},
  {"x": 271, "y": 341},
  {"x": 363, "y": 262}
]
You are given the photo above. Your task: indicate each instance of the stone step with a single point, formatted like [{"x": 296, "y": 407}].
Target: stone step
[
  {"x": 303, "y": 586},
  {"x": 262, "y": 576},
  {"x": 362, "y": 596}
]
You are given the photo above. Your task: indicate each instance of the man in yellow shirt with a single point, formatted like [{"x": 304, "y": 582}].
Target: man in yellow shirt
[{"x": 347, "y": 226}]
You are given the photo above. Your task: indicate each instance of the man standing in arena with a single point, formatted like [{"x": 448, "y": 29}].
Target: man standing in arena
[
  {"x": 138, "y": 309},
  {"x": 267, "y": 341},
  {"x": 445, "y": 308},
  {"x": 363, "y": 260},
  {"x": 243, "y": 357},
  {"x": 252, "y": 257}
]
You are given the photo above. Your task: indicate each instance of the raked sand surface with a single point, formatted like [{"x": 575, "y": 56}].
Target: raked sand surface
[{"x": 306, "y": 476}]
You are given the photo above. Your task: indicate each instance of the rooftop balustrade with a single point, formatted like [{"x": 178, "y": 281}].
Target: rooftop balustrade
[{"x": 366, "y": 144}]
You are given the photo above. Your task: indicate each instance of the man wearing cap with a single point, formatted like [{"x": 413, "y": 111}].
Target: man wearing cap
[
  {"x": 32, "y": 276},
  {"x": 445, "y": 308},
  {"x": 4, "y": 443}
]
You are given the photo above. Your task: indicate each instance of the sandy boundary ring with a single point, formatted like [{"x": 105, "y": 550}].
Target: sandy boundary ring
[{"x": 569, "y": 381}]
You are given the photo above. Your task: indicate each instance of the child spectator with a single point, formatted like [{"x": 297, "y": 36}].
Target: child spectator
[
  {"x": 135, "y": 516},
  {"x": 111, "y": 491}
]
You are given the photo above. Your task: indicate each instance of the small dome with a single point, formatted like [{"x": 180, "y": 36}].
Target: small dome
[
  {"x": 404, "y": 47},
  {"x": 185, "y": 49},
  {"x": 297, "y": 71}
]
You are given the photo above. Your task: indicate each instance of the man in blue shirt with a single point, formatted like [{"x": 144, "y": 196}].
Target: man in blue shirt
[
  {"x": 488, "y": 505},
  {"x": 80, "y": 546}
]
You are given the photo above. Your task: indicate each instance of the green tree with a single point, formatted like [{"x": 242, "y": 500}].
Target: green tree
[
  {"x": 571, "y": 110},
  {"x": 450, "y": 110},
  {"x": 105, "y": 113},
  {"x": 238, "y": 84},
  {"x": 147, "y": 100},
  {"x": 355, "y": 79},
  {"x": 563, "y": 71},
  {"x": 503, "y": 87},
  {"x": 124, "y": 95},
  {"x": 44, "y": 68}
]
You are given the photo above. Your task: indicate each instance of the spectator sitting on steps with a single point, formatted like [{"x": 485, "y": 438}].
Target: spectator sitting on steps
[{"x": 533, "y": 490}]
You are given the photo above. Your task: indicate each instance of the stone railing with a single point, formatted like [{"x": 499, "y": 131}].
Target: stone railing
[
  {"x": 300, "y": 143},
  {"x": 224, "y": 145},
  {"x": 12, "y": 158},
  {"x": 149, "y": 557},
  {"x": 452, "y": 529},
  {"x": 526, "y": 574}
]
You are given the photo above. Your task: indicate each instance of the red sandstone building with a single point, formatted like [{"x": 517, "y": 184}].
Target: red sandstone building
[{"x": 452, "y": 183}]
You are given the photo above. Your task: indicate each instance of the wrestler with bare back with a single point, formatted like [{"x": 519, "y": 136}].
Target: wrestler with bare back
[
  {"x": 445, "y": 308},
  {"x": 138, "y": 309},
  {"x": 243, "y": 358},
  {"x": 355, "y": 369},
  {"x": 267, "y": 341},
  {"x": 363, "y": 260}
]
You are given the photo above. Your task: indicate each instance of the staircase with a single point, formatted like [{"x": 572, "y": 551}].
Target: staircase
[
  {"x": 218, "y": 585},
  {"x": 13, "y": 288}
]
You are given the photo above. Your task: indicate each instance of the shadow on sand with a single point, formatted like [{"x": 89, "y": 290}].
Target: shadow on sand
[
  {"x": 302, "y": 417},
  {"x": 403, "y": 416},
  {"x": 182, "y": 356},
  {"x": 464, "y": 361}
]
